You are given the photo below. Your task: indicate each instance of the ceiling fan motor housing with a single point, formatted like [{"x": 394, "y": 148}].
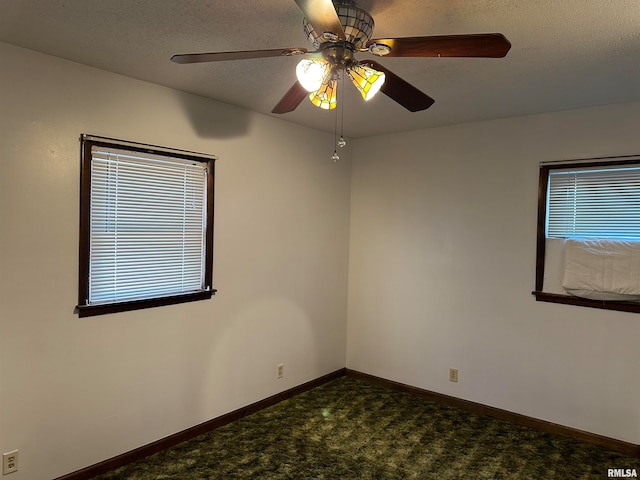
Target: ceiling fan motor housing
[{"x": 357, "y": 24}]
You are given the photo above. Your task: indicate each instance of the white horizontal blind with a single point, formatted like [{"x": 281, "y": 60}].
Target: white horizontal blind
[
  {"x": 147, "y": 226},
  {"x": 594, "y": 202}
]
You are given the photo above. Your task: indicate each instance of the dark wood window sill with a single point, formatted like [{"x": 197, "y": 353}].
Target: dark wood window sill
[
  {"x": 92, "y": 310},
  {"x": 585, "y": 302}
]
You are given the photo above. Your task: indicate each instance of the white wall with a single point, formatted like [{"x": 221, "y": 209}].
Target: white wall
[
  {"x": 441, "y": 259},
  {"x": 74, "y": 391},
  {"x": 442, "y": 265}
]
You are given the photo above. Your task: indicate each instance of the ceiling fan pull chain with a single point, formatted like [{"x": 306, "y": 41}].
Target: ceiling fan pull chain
[
  {"x": 341, "y": 141},
  {"x": 335, "y": 157}
]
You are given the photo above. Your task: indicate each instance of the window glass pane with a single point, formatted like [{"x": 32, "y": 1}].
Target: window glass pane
[
  {"x": 147, "y": 226},
  {"x": 594, "y": 203}
]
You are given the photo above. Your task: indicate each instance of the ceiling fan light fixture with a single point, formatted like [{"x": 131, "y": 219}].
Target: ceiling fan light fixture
[
  {"x": 367, "y": 80},
  {"x": 326, "y": 96},
  {"x": 311, "y": 73}
]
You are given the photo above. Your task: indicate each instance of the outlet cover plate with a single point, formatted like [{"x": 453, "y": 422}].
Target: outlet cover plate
[{"x": 10, "y": 462}]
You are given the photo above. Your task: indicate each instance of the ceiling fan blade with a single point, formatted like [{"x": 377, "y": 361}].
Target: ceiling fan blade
[
  {"x": 322, "y": 16},
  {"x": 402, "y": 91},
  {"x": 487, "y": 45},
  {"x": 290, "y": 101},
  {"x": 241, "y": 55}
]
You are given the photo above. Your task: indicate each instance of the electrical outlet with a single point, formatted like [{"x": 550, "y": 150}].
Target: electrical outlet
[
  {"x": 10, "y": 462},
  {"x": 453, "y": 375},
  {"x": 280, "y": 371}
]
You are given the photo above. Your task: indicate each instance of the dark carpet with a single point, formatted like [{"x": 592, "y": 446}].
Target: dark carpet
[{"x": 351, "y": 429}]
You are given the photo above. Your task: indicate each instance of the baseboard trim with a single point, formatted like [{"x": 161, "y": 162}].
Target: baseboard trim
[
  {"x": 90, "y": 472},
  {"x": 208, "y": 426},
  {"x": 626, "y": 448}
]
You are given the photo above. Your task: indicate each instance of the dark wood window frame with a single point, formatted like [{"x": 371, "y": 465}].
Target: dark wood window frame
[
  {"x": 83, "y": 308},
  {"x": 543, "y": 184}
]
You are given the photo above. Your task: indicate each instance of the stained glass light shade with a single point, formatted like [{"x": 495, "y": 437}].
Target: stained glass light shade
[
  {"x": 357, "y": 24},
  {"x": 311, "y": 73},
  {"x": 325, "y": 97},
  {"x": 367, "y": 80}
]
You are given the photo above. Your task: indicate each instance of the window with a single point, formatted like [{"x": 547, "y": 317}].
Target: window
[
  {"x": 146, "y": 226},
  {"x": 590, "y": 211}
]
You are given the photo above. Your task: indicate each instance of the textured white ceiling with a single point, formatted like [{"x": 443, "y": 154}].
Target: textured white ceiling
[{"x": 565, "y": 53}]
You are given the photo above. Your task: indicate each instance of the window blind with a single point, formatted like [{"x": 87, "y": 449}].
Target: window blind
[
  {"x": 595, "y": 202},
  {"x": 147, "y": 224}
]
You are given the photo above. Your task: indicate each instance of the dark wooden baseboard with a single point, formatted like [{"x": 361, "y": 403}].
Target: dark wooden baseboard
[
  {"x": 88, "y": 473},
  {"x": 626, "y": 448},
  {"x": 173, "y": 440}
]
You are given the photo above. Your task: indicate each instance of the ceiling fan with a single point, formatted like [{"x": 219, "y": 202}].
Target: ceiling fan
[{"x": 338, "y": 30}]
